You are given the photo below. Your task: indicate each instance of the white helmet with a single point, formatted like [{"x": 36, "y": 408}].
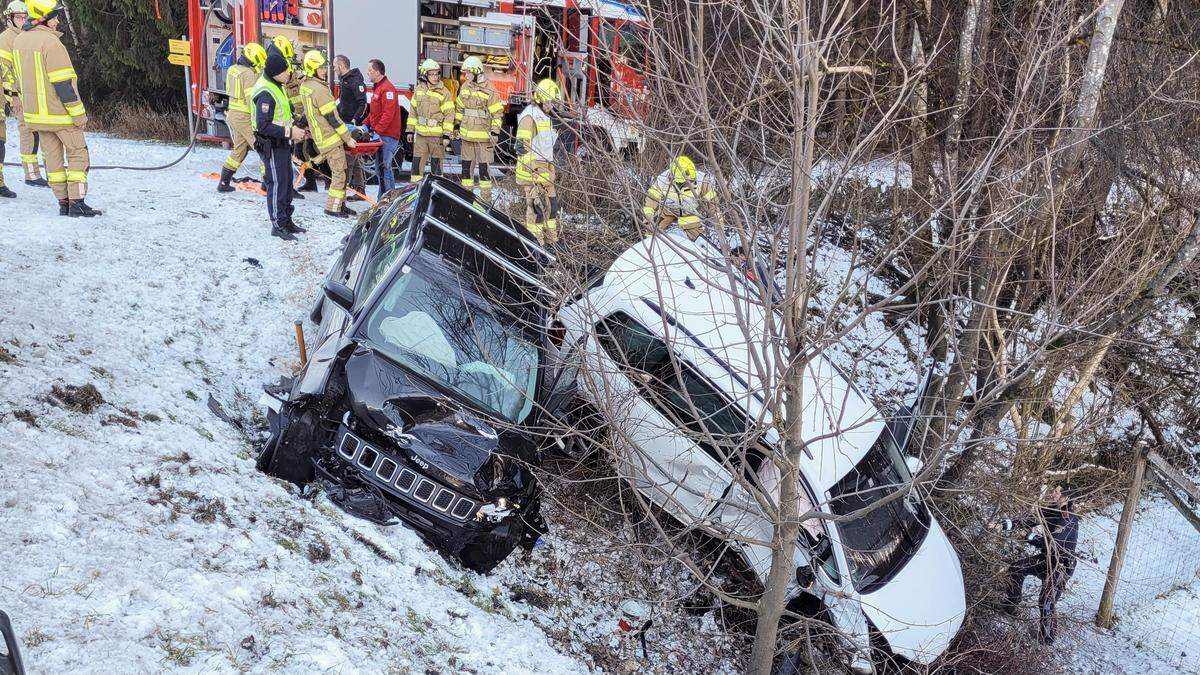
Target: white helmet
[{"x": 15, "y": 7}]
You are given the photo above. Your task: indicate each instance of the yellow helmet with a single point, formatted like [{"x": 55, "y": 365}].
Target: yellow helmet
[
  {"x": 285, "y": 46},
  {"x": 428, "y": 65},
  {"x": 473, "y": 64},
  {"x": 15, "y": 7},
  {"x": 255, "y": 54},
  {"x": 40, "y": 9},
  {"x": 683, "y": 169},
  {"x": 313, "y": 60},
  {"x": 547, "y": 90}
]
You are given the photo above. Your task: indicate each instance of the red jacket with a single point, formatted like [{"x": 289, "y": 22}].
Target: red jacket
[{"x": 384, "y": 117}]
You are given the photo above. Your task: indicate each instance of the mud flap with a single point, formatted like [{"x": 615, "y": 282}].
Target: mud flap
[
  {"x": 10, "y": 658},
  {"x": 295, "y": 438}
]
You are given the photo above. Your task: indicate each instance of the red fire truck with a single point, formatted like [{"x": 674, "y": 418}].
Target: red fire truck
[{"x": 594, "y": 48}]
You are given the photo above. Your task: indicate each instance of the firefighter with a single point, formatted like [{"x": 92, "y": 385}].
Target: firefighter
[
  {"x": 328, "y": 131},
  {"x": 15, "y": 17},
  {"x": 536, "y": 137},
  {"x": 1054, "y": 533},
  {"x": 239, "y": 80},
  {"x": 434, "y": 110},
  {"x": 477, "y": 112},
  {"x": 51, "y": 106},
  {"x": 676, "y": 197},
  {"x": 274, "y": 133}
]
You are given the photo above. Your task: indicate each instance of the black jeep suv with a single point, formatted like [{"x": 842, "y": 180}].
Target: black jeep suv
[{"x": 432, "y": 368}]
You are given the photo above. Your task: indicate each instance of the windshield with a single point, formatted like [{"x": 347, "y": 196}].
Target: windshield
[
  {"x": 878, "y": 543},
  {"x": 430, "y": 322}
]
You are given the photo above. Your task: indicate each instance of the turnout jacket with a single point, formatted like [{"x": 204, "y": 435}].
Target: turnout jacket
[
  {"x": 8, "y": 68},
  {"x": 239, "y": 80},
  {"x": 477, "y": 111},
  {"x": 434, "y": 109},
  {"x": 683, "y": 201},
  {"x": 320, "y": 109},
  {"x": 49, "y": 96}
]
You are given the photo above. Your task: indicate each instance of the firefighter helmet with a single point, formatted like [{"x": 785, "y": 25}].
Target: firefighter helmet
[
  {"x": 285, "y": 46},
  {"x": 41, "y": 9},
  {"x": 546, "y": 91},
  {"x": 473, "y": 64},
  {"x": 428, "y": 65},
  {"x": 255, "y": 54},
  {"x": 683, "y": 169},
  {"x": 313, "y": 60},
  {"x": 15, "y": 7}
]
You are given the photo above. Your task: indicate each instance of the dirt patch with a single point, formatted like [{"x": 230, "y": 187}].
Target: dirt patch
[
  {"x": 210, "y": 511},
  {"x": 318, "y": 551},
  {"x": 121, "y": 420},
  {"x": 7, "y": 356},
  {"x": 26, "y": 417},
  {"x": 80, "y": 398}
]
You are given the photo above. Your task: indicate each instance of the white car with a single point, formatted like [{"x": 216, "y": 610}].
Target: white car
[{"x": 675, "y": 353}]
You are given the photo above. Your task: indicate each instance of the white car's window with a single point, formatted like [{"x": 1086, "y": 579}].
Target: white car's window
[{"x": 676, "y": 390}]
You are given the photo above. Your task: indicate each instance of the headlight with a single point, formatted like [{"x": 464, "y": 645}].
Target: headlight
[{"x": 496, "y": 511}]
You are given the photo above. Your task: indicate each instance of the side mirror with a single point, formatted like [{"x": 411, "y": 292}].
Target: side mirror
[
  {"x": 914, "y": 464},
  {"x": 821, "y": 549},
  {"x": 339, "y": 294},
  {"x": 805, "y": 576}
]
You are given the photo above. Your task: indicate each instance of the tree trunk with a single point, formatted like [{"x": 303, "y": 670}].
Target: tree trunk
[{"x": 1083, "y": 118}]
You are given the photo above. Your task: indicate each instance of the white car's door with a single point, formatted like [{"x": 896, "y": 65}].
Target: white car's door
[{"x": 624, "y": 378}]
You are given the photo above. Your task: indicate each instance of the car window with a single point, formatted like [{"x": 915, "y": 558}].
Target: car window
[
  {"x": 431, "y": 323},
  {"x": 388, "y": 245},
  {"x": 676, "y": 390}
]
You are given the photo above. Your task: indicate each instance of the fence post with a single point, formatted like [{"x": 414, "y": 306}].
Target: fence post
[{"x": 1104, "y": 614}]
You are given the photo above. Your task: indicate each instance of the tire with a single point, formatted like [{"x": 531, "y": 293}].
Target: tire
[
  {"x": 289, "y": 454},
  {"x": 485, "y": 553}
]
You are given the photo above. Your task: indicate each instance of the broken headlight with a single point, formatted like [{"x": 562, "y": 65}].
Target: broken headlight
[{"x": 496, "y": 511}]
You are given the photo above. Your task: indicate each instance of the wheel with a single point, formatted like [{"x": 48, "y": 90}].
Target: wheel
[
  {"x": 485, "y": 553},
  {"x": 289, "y": 452}
]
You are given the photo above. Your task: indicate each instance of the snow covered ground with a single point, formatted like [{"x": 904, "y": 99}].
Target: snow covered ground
[{"x": 135, "y": 534}]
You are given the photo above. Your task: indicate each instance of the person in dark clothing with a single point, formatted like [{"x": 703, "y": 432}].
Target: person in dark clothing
[
  {"x": 274, "y": 133},
  {"x": 1055, "y": 533},
  {"x": 352, "y": 108}
]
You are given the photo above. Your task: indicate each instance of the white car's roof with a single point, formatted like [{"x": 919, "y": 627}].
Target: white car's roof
[{"x": 719, "y": 325}]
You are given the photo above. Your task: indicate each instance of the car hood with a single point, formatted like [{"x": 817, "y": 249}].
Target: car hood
[
  {"x": 434, "y": 431},
  {"x": 921, "y": 609}
]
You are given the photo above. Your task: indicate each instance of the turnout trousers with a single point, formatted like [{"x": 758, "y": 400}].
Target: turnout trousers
[
  {"x": 277, "y": 180},
  {"x": 241, "y": 135},
  {"x": 67, "y": 161}
]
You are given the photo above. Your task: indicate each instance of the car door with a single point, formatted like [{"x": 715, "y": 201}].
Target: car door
[{"x": 636, "y": 382}]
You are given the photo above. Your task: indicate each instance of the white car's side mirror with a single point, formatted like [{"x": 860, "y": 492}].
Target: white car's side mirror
[{"x": 914, "y": 464}]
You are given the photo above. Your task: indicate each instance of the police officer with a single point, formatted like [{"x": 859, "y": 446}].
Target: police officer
[
  {"x": 536, "y": 137},
  {"x": 328, "y": 131},
  {"x": 433, "y": 109},
  {"x": 477, "y": 112},
  {"x": 51, "y": 106},
  {"x": 274, "y": 133},
  {"x": 1055, "y": 533},
  {"x": 239, "y": 80},
  {"x": 676, "y": 197}
]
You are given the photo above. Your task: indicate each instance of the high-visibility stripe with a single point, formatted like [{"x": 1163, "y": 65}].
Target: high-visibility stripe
[
  {"x": 75, "y": 109},
  {"x": 61, "y": 75},
  {"x": 710, "y": 195},
  {"x": 474, "y": 135},
  {"x": 485, "y": 184},
  {"x": 648, "y": 211},
  {"x": 328, "y": 108},
  {"x": 232, "y": 164},
  {"x": 655, "y": 193},
  {"x": 39, "y": 76},
  {"x": 496, "y": 107},
  {"x": 337, "y": 194},
  {"x": 51, "y": 120},
  {"x": 29, "y": 159},
  {"x": 77, "y": 176},
  {"x": 524, "y": 135},
  {"x": 468, "y": 182},
  {"x": 689, "y": 220},
  {"x": 552, "y": 224},
  {"x": 56, "y": 176},
  {"x": 415, "y": 178}
]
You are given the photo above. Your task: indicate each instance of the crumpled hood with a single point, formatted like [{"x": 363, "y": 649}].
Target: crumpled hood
[
  {"x": 431, "y": 429},
  {"x": 921, "y": 609}
]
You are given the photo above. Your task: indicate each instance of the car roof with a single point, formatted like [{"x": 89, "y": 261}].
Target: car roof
[{"x": 683, "y": 292}]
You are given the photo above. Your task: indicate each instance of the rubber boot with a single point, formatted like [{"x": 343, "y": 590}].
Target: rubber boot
[
  {"x": 64, "y": 207},
  {"x": 226, "y": 176},
  {"x": 77, "y": 208},
  {"x": 310, "y": 181}
]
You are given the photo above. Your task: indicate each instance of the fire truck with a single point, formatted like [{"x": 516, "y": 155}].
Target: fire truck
[{"x": 595, "y": 49}]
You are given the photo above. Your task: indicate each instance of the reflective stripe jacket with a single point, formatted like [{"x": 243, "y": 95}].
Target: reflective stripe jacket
[
  {"x": 320, "y": 109},
  {"x": 477, "y": 111},
  {"x": 680, "y": 200},
  {"x": 239, "y": 80},
  {"x": 8, "y": 68},
  {"x": 434, "y": 109},
  {"x": 49, "y": 96},
  {"x": 536, "y": 135},
  {"x": 272, "y": 117}
]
